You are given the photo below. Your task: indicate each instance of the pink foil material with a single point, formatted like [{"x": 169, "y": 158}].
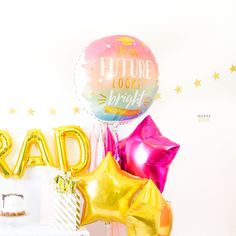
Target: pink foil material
[
  {"x": 146, "y": 152},
  {"x": 109, "y": 143}
]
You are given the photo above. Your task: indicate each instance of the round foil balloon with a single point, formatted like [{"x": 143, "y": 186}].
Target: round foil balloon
[{"x": 117, "y": 78}]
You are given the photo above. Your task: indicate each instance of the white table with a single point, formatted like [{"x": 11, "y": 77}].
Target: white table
[{"x": 38, "y": 230}]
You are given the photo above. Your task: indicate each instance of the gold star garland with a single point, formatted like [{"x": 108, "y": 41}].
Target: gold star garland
[
  {"x": 198, "y": 83},
  {"x": 31, "y": 111},
  {"x": 12, "y": 111},
  {"x": 216, "y": 76},
  {"x": 53, "y": 111},
  {"x": 233, "y": 68},
  {"x": 178, "y": 90},
  {"x": 76, "y": 110},
  {"x": 158, "y": 96}
]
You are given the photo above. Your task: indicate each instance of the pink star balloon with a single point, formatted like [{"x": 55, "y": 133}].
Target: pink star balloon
[{"x": 146, "y": 152}]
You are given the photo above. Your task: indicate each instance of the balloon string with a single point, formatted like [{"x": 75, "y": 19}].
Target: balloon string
[
  {"x": 101, "y": 142},
  {"x": 117, "y": 156},
  {"x": 108, "y": 233}
]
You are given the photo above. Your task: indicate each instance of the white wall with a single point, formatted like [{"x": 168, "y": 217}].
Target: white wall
[{"x": 40, "y": 42}]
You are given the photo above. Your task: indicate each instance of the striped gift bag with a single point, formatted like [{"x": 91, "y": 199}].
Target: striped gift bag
[{"x": 67, "y": 212}]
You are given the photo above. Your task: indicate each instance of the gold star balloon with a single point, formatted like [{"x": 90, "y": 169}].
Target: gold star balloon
[
  {"x": 150, "y": 214},
  {"x": 107, "y": 191}
]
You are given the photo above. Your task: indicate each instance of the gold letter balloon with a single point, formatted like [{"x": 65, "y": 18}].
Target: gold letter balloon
[
  {"x": 5, "y": 149},
  {"x": 34, "y": 138},
  {"x": 75, "y": 132}
]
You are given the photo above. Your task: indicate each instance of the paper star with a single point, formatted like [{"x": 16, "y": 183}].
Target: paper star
[
  {"x": 197, "y": 83},
  {"x": 108, "y": 192},
  {"x": 76, "y": 110},
  {"x": 233, "y": 68},
  {"x": 178, "y": 89},
  {"x": 53, "y": 111},
  {"x": 31, "y": 112},
  {"x": 158, "y": 96},
  {"x": 12, "y": 111},
  {"x": 216, "y": 76},
  {"x": 149, "y": 214}
]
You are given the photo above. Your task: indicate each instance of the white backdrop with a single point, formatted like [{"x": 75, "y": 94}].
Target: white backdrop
[{"x": 40, "y": 42}]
